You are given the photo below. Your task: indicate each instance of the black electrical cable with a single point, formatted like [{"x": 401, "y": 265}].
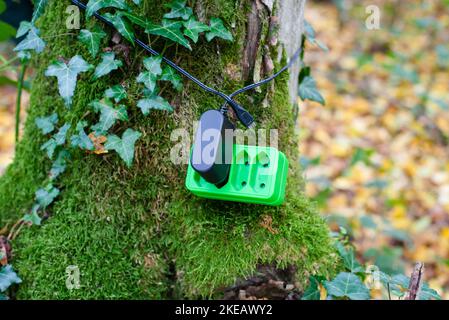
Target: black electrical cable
[
  {"x": 266, "y": 80},
  {"x": 243, "y": 115}
]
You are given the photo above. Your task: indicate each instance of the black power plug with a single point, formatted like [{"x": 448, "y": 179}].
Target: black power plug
[{"x": 212, "y": 149}]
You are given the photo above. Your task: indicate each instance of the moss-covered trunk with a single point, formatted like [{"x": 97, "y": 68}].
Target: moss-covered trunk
[{"x": 138, "y": 233}]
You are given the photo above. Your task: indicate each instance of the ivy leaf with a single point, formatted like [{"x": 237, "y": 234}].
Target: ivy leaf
[
  {"x": 8, "y": 277},
  {"x": 169, "y": 74},
  {"x": 148, "y": 79},
  {"x": 60, "y": 137},
  {"x": 24, "y": 28},
  {"x": 153, "y": 65},
  {"x": 136, "y": 2},
  {"x": 33, "y": 218},
  {"x": 309, "y": 91},
  {"x": 67, "y": 76},
  {"x": 24, "y": 56},
  {"x": 313, "y": 291},
  {"x": 60, "y": 164},
  {"x": 92, "y": 39},
  {"x": 310, "y": 34},
  {"x": 135, "y": 19},
  {"x": 47, "y": 124},
  {"x": 39, "y": 7},
  {"x": 169, "y": 29},
  {"x": 96, "y": 5},
  {"x": 347, "y": 285},
  {"x": 116, "y": 92},
  {"x": 49, "y": 147},
  {"x": 122, "y": 25},
  {"x": 427, "y": 293},
  {"x": 193, "y": 28},
  {"x": 57, "y": 140},
  {"x": 217, "y": 29},
  {"x": 31, "y": 42},
  {"x": 46, "y": 196},
  {"x": 81, "y": 139},
  {"x": 107, "y": 65},
  {"x": 349, "y": 259},
  {"x": 153, "y": 102},
  {"x": 178, "y": 10},
  {"x": 124, "y": 146},
  {"x": 108, "y": 115}
]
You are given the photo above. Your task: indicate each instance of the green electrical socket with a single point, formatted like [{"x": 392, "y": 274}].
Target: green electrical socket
[{"x": 258, "y": 175}]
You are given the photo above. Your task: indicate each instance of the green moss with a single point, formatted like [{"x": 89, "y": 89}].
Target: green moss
[{"x": 137, "y": 233}]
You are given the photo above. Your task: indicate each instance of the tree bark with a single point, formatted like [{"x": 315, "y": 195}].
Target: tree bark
[{"x": 138, "y": 233}]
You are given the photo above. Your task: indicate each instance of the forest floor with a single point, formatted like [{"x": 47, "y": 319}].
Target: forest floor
[{"x": 374, "y": 167}]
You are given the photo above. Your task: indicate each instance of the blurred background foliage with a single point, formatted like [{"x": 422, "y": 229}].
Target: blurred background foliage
[{"x": 375, "y": 155}]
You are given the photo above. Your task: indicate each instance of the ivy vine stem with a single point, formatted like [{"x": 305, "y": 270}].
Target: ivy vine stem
[{"x": 19, "y": 97}]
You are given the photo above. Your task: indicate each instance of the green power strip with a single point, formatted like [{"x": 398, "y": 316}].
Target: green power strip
[{"x": 258, "y": 175}]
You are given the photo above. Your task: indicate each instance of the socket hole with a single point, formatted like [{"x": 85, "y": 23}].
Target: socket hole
[
  {"x": 265, "y": 165},
  {"x": 262, "y": 185},
  {"x": 243, "y": 183}
]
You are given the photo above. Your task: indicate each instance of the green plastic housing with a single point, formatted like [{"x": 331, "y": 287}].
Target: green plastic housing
[{"x": 258, "y": 175}]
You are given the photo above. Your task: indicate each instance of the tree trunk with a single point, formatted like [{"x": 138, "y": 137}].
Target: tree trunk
[{"x": 138, "y": 233}]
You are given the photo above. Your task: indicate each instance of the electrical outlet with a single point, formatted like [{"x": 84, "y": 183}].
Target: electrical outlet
[{"x": 258, "y": 175}]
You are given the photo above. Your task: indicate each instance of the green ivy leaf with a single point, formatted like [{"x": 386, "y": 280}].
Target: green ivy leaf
[
  {"x": 33, "y": 217},
  {"x": 108, "y": 115},
  {"x": 136, "y": 19},
  {"x": 309, "y": 91},
  {"x": 60, "y": 164},
  {"x": 67, "y": 76},
  {"x": 60, "y": 137},
  {"x": 57, "y": 140},
  {"x": 46, "y": 196},
  {"x": 169, "y": 29},
  {"x": 310, "y": 35},
  {"x": 124, "y": 146},
  {"x": 349, "y": 259},
  {"x": 31, "y": 42},
  {"x": 24, "y": 56},
  {"x": 153, "y": 102},
  {"x": 92, "y": 39},
  {"x": 217, "y": 29},
  {"x": 8, "y": 277},
  {"x": 153, "y": 65},
  {"x": 96, "y": 5},
  {"x": 169, "y": 74},
  {"x": 47, "y": 124},
  {"x": 24, "y": 28},
  {"x": 122, "y": 25},
  {"x": 49, "y": 147},
  {"x": 347, "y": 285},
  {"x": 193, "y": 28},
  {"x": 178, "y": 10},
  {"x": 107, "y": 65},
  {"x": 148, "y": 79},
  {"x": 81, "y": 139},
  {"x": 39, "y": 7},
  {"x": 313, "y": 291},
  {"x": 117, "y": 92}
]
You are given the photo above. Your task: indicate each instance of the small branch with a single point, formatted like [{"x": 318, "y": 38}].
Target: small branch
[
  {"x": 415, "y": 282},
  {"x": 11, "y": 232}
]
